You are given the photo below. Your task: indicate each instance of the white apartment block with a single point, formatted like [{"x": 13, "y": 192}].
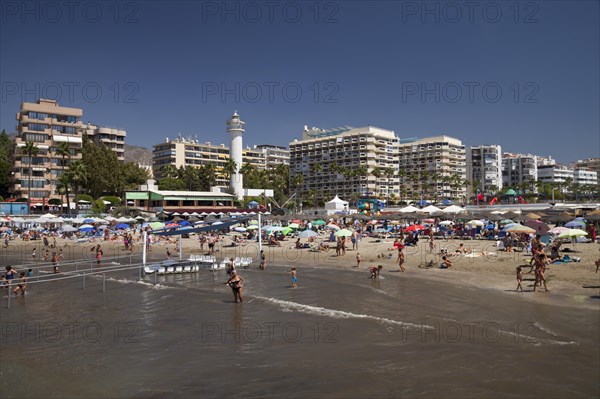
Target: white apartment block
[
  {"x": 484, "y": 165},
  {"x": 434, "y": 168},
  {"x": 181, "y": 152},
  {"x": 341, "y": 162},
  {"x": 554, "y": 173},
  {"x": 274, "y": 155},
  {"x": 585, "y": 176},
  {"x": 592, "y": 164}
]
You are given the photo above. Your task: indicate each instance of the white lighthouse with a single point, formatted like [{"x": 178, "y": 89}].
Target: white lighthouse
[{"x": 235, "y": 128}]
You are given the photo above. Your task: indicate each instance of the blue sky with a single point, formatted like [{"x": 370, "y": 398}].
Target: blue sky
[{"x": 521, "y": 74}]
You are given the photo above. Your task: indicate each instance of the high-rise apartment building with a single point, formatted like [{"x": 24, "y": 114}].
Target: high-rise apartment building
[
  {"x": 47, "y": 124},
  {"x": 518, "y": 169},
  {"x": 585, "y": 176},
  {"x": 554, "y": 173},
  {"x": 274, "y": 155},
  {"x": 433, "y": 168},
  {"x": 592, "y": 164},
  {"x": 186, "y": 151},
  {"x": 484, "y": 169},
  {"x": 341, "y": 161}
]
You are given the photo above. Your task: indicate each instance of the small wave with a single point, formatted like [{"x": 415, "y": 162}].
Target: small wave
[
  {"x": 288, "y": 306},
  {"x": 533, "y": 340},
  {"x": 539, "y": 326},
  {"x": 142, "y": 282}
]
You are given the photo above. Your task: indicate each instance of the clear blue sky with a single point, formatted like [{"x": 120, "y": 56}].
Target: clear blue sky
[{"x": 168, "y": 67}]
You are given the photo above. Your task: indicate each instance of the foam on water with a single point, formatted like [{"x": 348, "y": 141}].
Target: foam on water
[
  {"x": 288, "y": 306},
  {"x": 142, "y": 282}
]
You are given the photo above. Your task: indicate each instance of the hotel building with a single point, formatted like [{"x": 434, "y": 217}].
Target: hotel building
[
  {"x": 434, "y": 168},
  {"x": 341, "y": 162},
  {"x": 484, "y": 166},
  {"x": 518, "y": 168}
]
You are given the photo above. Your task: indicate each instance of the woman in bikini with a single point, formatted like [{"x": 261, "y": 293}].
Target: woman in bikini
[{"x": 237, "y": 286}]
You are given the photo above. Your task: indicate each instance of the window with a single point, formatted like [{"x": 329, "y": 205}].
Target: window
[
  {"x": 35, "y": 137},
  {"x": 37, "y": 127}
]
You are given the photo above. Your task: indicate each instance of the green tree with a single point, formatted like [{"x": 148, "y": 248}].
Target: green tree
[
  {"x": 376, "y": 172},
  {"x": 31, "y": 150},
  {"x": 64, "y": 150},
  {"x": 5, "y": 163},
  {"x": 78, "y": 177},
  {"x": 168, "y": 171},
  {"x": 229, "y": 168}
]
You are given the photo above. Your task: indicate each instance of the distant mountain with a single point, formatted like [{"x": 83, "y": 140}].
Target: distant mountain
[{"x": 134, "y": 153}]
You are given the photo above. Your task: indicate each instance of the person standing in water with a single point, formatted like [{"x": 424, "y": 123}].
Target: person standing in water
[
  {"x": 237, "y": 286},
  {"x": 358, "y": 259},
  {"x": 294, "y": 277},
  {"x": 375, "y": 271},
  {"x": 263, "y": 260}
]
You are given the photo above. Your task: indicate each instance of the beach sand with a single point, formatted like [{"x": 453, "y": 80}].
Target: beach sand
[{"x": 572, "y": 284}]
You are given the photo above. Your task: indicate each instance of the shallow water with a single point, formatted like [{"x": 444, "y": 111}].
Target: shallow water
[{"x": 340, "y": 334}]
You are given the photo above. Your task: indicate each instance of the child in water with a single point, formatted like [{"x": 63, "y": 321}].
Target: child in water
[
  {"x": 375, "y": 271},
  {"x": 294, "y": 278},
  {"x": 358, "y": 259}
]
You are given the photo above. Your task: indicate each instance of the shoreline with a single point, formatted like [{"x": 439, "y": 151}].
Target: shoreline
[{"x": 573, "y": 285}]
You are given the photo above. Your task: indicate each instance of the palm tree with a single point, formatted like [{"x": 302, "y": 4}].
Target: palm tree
[
  {"x": 401, "y": 177},
  {"x": 249, "y": 172},
  {"x": 31, "y": 150},
  {"x": 64, "y": 150},
  {"x": 229, "y": 168},
  {"x": 77, "y": 175},
  {"x": 298, "y": 182},
  {"x": 376, "y": 172},
  {"x": 168, "y": 171},
  {"x": 389, "y": 173}
]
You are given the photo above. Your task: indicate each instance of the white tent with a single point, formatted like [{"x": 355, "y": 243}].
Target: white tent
[
  {"x": 336, "y": 204},
  {"x": 453, "y": 209},
  {"x": 430, "y": 209},
  {"x": 409, "y": 209},
  {"x": 48, "y": 216}
]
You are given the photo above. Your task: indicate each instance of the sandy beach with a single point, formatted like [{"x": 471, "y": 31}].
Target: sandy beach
[{"x": 570, "y": 284}]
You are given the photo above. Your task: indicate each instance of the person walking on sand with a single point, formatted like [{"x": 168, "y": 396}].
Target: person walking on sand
[
  {"x": 237, "y": 286},
  {"x": 294, "y": 277},
  {"x": 375, "y": 271},
  {"x": 519, "y": 279},
  {"x": 401, "y": 258},
  {"x": 358, "y": 259}
]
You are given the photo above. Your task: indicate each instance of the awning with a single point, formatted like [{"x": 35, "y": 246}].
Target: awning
[{"x": 66, "y": 139}]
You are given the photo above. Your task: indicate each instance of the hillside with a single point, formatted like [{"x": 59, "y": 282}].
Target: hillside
[{"x": 134, "y": 153}]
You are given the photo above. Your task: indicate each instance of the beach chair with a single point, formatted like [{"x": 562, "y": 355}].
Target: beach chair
[
  {"x": 170, "y": 270},
  {"x": 187, "y": 269},
  {"x": 161, "y": 270},
  {"x": 178, "y": 269},
  {"x": 148, "y": 270}
]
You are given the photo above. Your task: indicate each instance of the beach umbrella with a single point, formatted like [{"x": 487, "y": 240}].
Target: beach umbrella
[
  {"x": 184, "y": 223},
  {"x": 171, "y": 225},
  {"x": 68, "y": 229},
  {"x": 293, "y": 225},
  {"x": 86, "y": 227},
  {"x": 267, "y": 227},
  {"x": 558, "y": 230},
  {"x": 508, "y": 226},
  {"x": 296, "y": 221},
  {"x": 475, "y": 222},
  {"x": 276, "y": 228},
  {"x": 490, "y": 226},
  {"x": 415, "y": 227},
  {"x": 519, "y": 228},
  {"x": 506, "y": 221},
  {"x": 575, "y": 224},
  {"x": 88, "y": 220},
  {"x": 540, "y": 227},
  {"x": 240, "y": 229},
  {"x": 286, "y": 231},
  {"x": 318, "y": 222},
  {"x": 343, "y": 233},
  {"x": 446, "y": 223},
  {"x": 533, "y": 216},
  {"x": 307, "y": 234},
  {"x": 252, "y": 227},
  {"x": 122, "y": 226},
  {"x": 333, "y": 226},
  {"x": 103, "y": 227},
  {"x": 430, "y": 209},
  {"x": 572, "y": 233},
  {"x": 156, "y": 225}
]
